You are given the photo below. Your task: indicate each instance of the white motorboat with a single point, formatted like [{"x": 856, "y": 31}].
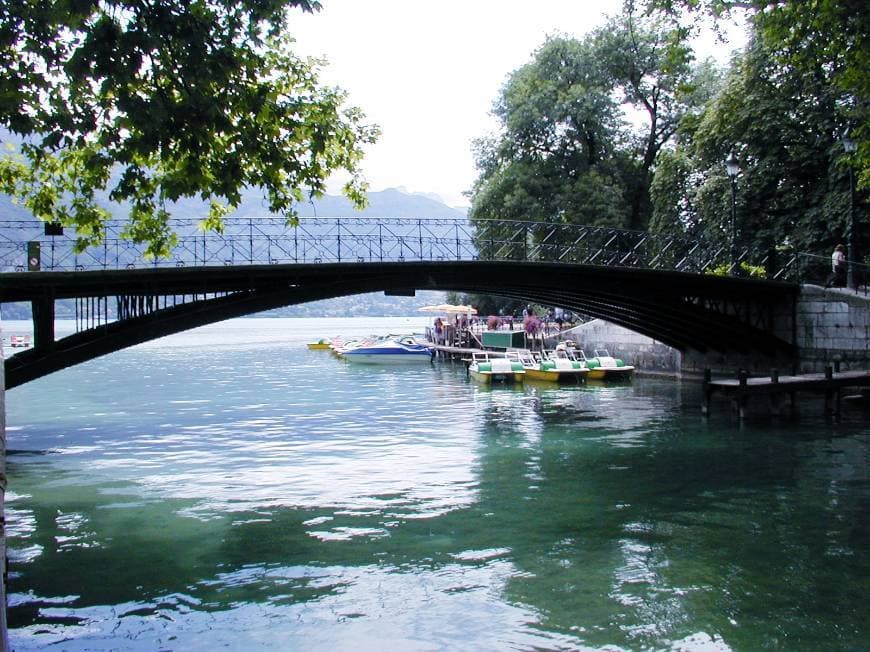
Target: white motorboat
[{"x": 389, "y": 350}]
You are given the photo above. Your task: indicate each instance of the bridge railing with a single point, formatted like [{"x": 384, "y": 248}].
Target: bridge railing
[
  {"x": 570, "y": 243},
  {"x": 249, "y": 241}
]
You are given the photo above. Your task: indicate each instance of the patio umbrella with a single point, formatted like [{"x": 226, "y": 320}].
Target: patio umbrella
[
  {"x": 465, "y": 310},
  {"x": 449, "y": 309},
  {"x": 439, "y": 308}
]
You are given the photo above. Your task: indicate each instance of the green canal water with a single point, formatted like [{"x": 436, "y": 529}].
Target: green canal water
[{"x": 227, "y": 488}]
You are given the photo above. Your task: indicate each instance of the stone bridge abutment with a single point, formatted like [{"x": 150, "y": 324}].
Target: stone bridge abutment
[{"x": 829, "y": 327}]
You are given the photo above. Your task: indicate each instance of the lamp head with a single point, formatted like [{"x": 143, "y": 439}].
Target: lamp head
[
  {"x": 732, "y": 165},
  {"x": 849, "y": 143}
]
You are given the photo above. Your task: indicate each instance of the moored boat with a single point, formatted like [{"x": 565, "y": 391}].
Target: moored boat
[
  {"x": 486, "y": 369},
  {"x": 389, "y": 350},
  {"x": 555, "y": 367},
  {"x": 320, "y": 344},
  {"x": 604, "y": 366},
  {"x": 20, "y": 341}
]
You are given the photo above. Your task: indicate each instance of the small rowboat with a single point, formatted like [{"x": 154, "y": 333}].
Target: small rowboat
[{"x": 319, "y": 344}]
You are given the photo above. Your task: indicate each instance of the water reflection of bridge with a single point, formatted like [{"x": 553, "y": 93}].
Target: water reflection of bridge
[{"x": 669, "y": 288}]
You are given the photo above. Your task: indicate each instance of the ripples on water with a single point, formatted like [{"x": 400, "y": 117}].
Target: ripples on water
[{"x": 229, "y": 488}]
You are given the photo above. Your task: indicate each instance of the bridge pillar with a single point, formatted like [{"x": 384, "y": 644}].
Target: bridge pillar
[{"x": 43, "y": 323}]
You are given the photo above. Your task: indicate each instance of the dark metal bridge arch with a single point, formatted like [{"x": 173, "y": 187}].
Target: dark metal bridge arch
[{"x": 660, "y": 287}]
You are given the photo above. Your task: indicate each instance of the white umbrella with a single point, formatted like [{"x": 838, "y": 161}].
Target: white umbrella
[{"x": 449, "y": 309}]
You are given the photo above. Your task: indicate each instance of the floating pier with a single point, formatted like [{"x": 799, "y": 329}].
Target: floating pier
[{"x": 775, "y": 387}]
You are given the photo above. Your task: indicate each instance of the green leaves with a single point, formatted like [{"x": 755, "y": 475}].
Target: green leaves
[
  {"x": 792, "y": 190},
  {"x": 151, "y": 103},
  {"x": 820, "y": 42},
  {"x": 566, "y": 151}
]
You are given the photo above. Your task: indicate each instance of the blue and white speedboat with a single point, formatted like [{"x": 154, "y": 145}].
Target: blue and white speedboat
[{"x": 390, "y": 350}]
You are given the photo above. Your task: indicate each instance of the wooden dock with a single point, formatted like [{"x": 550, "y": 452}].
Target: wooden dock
[{"x": 775, "y": 387}]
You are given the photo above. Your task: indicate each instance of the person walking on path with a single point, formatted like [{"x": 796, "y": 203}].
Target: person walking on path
[{"x": 838, "y": 268}]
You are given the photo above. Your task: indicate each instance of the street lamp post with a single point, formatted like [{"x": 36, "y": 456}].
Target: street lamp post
[
  {"x": 849, "y": 146},
  {"x": 732, "y": 169}
]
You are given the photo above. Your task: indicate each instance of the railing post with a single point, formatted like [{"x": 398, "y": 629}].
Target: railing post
[
  {"x": 420, "y": 236},
  {"x": 338, "y": 235},
  {"x": 705, "y": 406},
  {"x": 458, "y": 248},
  {"x": 742, "y": 393},
  {"x": 775, "y": 397},
  {"x": 829, "y": 392},
  {"x": 491, "y": 243},
  {"x": 525, "y": 242}
]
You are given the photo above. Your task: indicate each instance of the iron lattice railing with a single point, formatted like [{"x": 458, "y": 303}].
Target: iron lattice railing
[{"x": 269, "y": 240}]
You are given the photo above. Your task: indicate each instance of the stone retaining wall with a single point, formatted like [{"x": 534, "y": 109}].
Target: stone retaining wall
[
  {"x": 649, "y": 356},
  {"x": 832, "y": 325}
]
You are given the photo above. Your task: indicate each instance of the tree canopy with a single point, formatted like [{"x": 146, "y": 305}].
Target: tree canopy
[
  {"x": 157, "y": 100},
  {"x": 792, "y": 188},
  {"x": 820, "y": 41},
  {"x": 567, "y": 151},
  {"x": 783, "y": 109},
  {"x": 623, "y": 128}
]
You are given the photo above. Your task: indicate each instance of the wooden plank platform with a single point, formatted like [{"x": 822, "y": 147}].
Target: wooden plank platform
[
  {"x": 740, "y": 389},
  {"x": 462, "y": 352},
  {"x": 795, "y": 383}
]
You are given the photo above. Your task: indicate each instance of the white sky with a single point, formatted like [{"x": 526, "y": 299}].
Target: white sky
[{"x": 429, "y": 72}]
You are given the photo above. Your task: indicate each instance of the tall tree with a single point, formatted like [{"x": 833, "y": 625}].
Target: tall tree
[
  {"x": 567, "y": 152},
  {"x": 783, "y": 127},
  {"x": 825, "y": 41},
  {"x": 159, "y": 100},
  {"x": 559, "y": 126},
  {"x": 650, "y": 67}
]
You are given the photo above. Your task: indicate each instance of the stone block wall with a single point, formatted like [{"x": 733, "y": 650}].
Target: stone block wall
[
  {"x": 828, "y": 326},
  {"x": 648, "y": 356},
  {"x": 832, "y": 325}
]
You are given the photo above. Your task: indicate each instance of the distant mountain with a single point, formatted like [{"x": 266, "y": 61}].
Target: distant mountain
[
  {"x": 392, "y": 202},
  {"x": 372, "y": 304},
  {"x": 10, "y": 211}
]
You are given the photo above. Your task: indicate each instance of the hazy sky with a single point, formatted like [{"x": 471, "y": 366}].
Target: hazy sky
[{"x": 429, "y": 72}]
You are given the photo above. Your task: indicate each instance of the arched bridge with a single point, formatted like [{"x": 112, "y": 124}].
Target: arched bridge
[{"x": 675, "y": 290}]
